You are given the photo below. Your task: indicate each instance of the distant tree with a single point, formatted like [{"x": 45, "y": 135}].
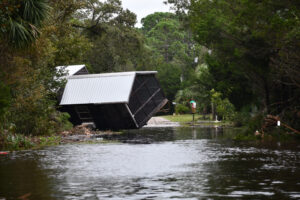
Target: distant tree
[
  {"x": 173, "y": 48},
  {"x": 117, "y": 45},
  {"x": 152, "y": 20},
  {"x": 70, "y": 46},
  {"x": 169, "y": 77},
  {"x": 255, "y": 47}
]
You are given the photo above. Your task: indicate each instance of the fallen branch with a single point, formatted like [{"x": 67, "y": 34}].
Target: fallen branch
[
  {"x": 271, "y": 120},
  {"x": 292, "y": 129}
]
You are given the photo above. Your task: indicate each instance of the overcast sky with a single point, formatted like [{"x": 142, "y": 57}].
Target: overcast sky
[{"x": 142, "y": 8}]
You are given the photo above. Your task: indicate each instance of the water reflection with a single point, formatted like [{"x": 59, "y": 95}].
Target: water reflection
[
  {"x": 25, "y": 176},
  {"x": 181, "y": 163},
  {"x": 179, "y": 133}
]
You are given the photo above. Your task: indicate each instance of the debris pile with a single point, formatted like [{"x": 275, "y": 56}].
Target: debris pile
[{"x": 271, "y": 121}]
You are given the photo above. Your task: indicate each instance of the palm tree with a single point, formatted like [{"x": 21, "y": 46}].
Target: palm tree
[{"x": 21, "y": 20}]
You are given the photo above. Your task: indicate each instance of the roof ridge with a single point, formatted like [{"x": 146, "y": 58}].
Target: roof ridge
[{"x": 113, "y": 74}]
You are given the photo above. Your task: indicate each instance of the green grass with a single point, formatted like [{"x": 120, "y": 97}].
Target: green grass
[
  {"x": 184, "y": 118},
  {"x": 187, "y": 119}
]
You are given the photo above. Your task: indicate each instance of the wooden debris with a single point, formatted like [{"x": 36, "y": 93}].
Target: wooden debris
[{"x": 271, "y": 121}]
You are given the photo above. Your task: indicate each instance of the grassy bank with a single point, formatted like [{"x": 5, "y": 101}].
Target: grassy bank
[
  {"x": 15, "y": 142},
  {"x": 187, "y": 119},
  {"x": 182, "y": 118}
]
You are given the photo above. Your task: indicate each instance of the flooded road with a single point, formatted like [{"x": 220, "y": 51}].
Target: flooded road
[{"x": 180, "y": 163}]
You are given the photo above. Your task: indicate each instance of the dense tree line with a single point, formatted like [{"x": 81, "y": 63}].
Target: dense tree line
[
  {"x": 172, "y": 49},
  {"x": 38, "y": 35},
  {"x": 255, "y": 52},
  {"x": 235, "y": 58}
]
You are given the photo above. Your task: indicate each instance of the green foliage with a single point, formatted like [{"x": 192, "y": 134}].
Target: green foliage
[
  {"x": 243, "y": 36},
  {"x": 116, "y": 45},
  {"x": 63, "y": 122},
  {"x": 15, "y": 142},
  {"x": 152, "y": 20},
  {"x": 32, "y": 111},
  {"x": 20, "y": 20},
  {"x": 241, "y": 119},
  {"x": 49, "y": 141},
  {"x": 71, "y": 48},
  {"x": 173, "y": 50},
  {"x": 96, "y": 13},
  {"x": 169, "y": 78},
  {"x": 248, "y": 51},
  {"x": 198, "y": 88},
  {"x": 254, "y": 124},
  {"x": 5, "y": 99},
  {"x": 224, "y": 108},
  {"x": 224, "y": 78},
  {"x": 254, "y": 59},
  {"x": 181, "y": 109},
  {"x": 29, "y": 72},
  {"x": 118, "y": 49},
  {"x": 184, "y": 96}
]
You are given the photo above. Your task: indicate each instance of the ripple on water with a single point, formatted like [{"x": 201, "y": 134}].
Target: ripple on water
[{"x": 192, "y": 164}]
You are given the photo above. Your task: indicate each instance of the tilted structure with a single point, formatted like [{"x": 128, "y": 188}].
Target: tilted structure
[{"x": 113, "y": 101}]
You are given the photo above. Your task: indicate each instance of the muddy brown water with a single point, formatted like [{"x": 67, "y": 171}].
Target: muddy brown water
[{"x": 180, "y": 163}]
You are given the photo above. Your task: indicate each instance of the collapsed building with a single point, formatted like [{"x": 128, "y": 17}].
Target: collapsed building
[{"x": 112, "y": 101}]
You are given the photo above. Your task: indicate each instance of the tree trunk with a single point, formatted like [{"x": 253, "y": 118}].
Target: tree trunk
[
  {"x": 267, "y": 95},
  {"x": 213, "y": 111}
]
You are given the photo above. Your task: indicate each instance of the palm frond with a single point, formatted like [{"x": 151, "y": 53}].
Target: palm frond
[
  {"x": 23, "y": 25},
  {"x": 19, "y": 34},
  {"x": 34, "y": 11}
]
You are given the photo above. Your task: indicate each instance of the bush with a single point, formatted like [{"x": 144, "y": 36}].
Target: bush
[
  {"x": 5, "y": 99},
  {"x": 241, "y": 119},
  {"x": 255, "y": 123},
  {"x": 10, "y": 141},
  {"x": 225, "y": 109},
  {"x": 181, "y": 109},
  {"x": 63, "y": 122}
]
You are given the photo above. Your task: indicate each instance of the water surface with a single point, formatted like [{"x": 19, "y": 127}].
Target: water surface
[{"x": 180, "y": 163}]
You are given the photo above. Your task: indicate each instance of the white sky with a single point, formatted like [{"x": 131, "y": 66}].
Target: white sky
[{"x": 142, "y": 8}]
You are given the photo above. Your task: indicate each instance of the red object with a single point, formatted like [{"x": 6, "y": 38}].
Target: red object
[{"x": 3, "y": 153}]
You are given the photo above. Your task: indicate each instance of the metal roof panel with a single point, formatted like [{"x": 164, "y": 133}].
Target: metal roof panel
[{"x": 98, "y": 89}]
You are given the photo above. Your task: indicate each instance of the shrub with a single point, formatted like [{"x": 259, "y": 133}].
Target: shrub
[
  {"x": 5, "y": 99},
  {"x": 181, "y": 109},
  {"x": 255, "y": 123},
  {"x": 10, "y": 141},
  {"x": 241, "y": 119}
]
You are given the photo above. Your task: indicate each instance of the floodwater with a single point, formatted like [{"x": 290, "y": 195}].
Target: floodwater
[{"x": 180, "y": 163}]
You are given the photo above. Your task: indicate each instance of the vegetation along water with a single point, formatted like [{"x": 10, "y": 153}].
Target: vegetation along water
[
  {"x": 180, "y": 163},
  {"x": 238, "y": 60}
]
